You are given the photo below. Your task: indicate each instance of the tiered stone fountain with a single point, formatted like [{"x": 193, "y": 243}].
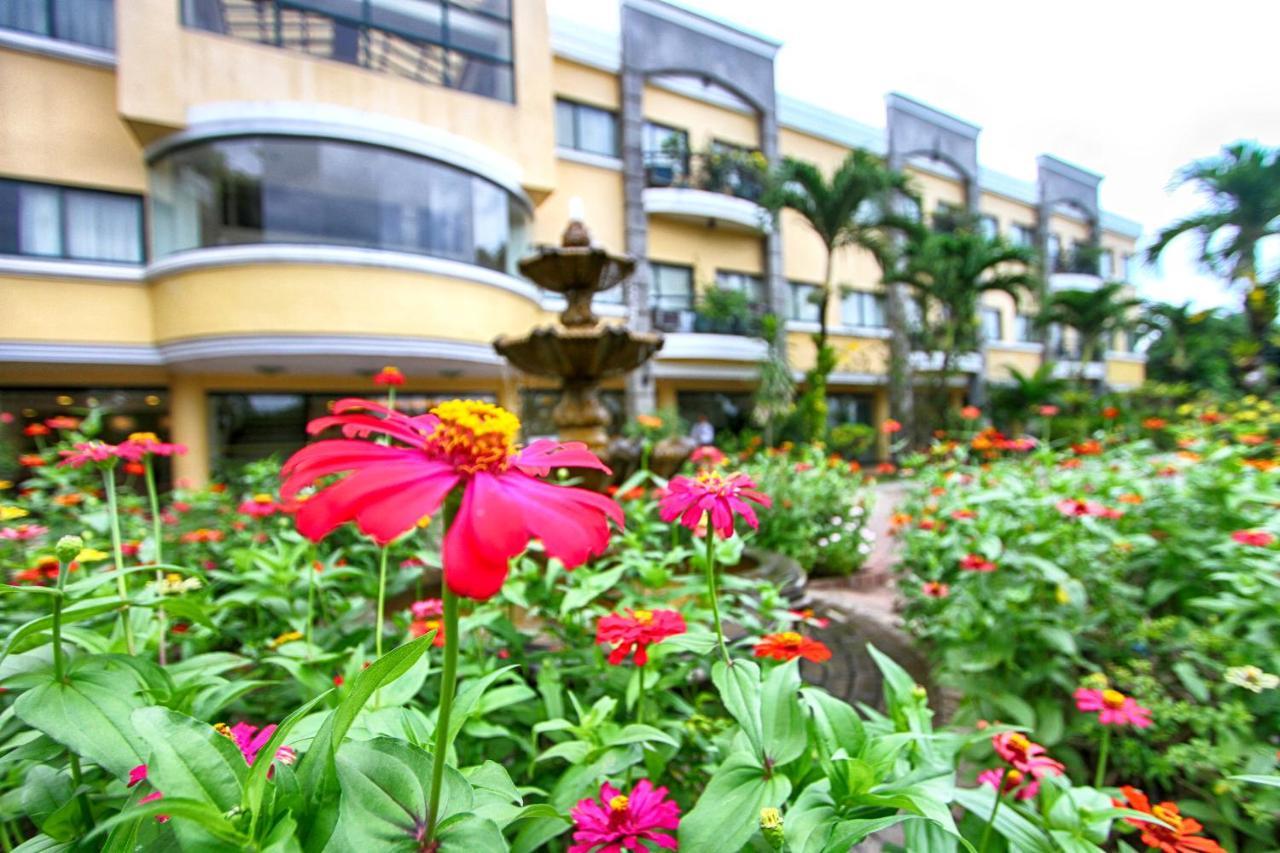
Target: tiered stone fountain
[{"x": 583, "y": 351}]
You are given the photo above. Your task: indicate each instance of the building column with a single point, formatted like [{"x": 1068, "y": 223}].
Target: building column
[
  {"x": 189, "y": 425},
  {"x": 880, "y": 414},
  {"x": 640, "y": 393}
]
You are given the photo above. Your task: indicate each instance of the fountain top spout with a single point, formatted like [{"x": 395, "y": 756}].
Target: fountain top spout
[{"x": 577, "y": 270}]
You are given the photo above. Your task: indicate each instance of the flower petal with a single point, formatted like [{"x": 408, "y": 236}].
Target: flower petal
[{"x": 544, "y": 454}]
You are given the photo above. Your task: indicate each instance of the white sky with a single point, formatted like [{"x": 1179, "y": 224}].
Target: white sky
[{"x": 1131, "y": 89}]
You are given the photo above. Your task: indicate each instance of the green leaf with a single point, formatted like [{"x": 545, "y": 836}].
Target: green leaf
[
  {"x": 1186, "y": 672},
  {"x": 256, "y": 783},
  {"x": 403, "y": 689},
  {"x": 587, "y": 587},
  {"x": 781, "y": 718},
  {"x": 89, "y": 714},
  {"x": 699, "y": 642},
  {"x": 190, "y": 759},
  {"x": 46, "y": 794},
  {"x": 1016, "y": 707},
  {"x": 728, "y": 811},
  {"x": 201, "y": 813},
  {"x": 1059, "y": 639},
  {"x": 836, "y": 723},
  {"x": 739, "y": 688},
  {"x": 468, "y": 700},
  {"x": 1021, "y": 834},
  {"x": 897, "y": 682},
  {"x": 849, "y": 832},
  {"x": 75, "y": 613},
  {"x": 1252, "y": 779}
]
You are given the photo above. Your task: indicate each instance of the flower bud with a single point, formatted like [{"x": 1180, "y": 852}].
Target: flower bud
[
  {"x": 68, "y": 548},
  {"x": 919, "y": 693},
  {"x": 771, "y": 827}
]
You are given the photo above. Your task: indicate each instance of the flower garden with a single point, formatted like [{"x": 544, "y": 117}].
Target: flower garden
[{"x": 417, "y": 635}]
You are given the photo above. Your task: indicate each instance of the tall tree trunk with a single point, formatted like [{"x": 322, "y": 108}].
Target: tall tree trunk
[{"x": 901, "y": 379}]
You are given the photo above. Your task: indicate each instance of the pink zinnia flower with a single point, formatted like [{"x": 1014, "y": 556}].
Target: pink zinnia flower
[
  {"x": 1076, "y": 508},
  {"x": 151, "y": 798},
  {"x": 1256, "y": 538},
  {"x": 149, "y": 444},
  {"x": 251, "y": 739},
  {"x": 427, "y": 608},
  {"x": 633, "y": 632},
  {"x": 1113, "y": 707},
  {"x": 615, "y": 822},
  {"x": 1013, "y": 780},
  {"x": 709, "y": 455},
  {"x": 1048, "y": 411},
  {"x": 971, "y": 413},
  {"x": 976, "y": 563},
  {"x": 935, "y": 589},
  {"x": 889, "y": 426},
  {"x": 389, "y": 375},
  {"x": 259, "y": 506},
  {"x": 1024, "y": 755},
  {"x": 23, "y": 532},
  {"x": 136, "y": 775},
  {"x": 99, "y": 453},
  {"x": 469, "y": 445},
  {"x": 689, "y": 499}
]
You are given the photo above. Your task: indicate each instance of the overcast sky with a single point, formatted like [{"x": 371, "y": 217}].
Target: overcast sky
[{"x": 1131, "y": 89}]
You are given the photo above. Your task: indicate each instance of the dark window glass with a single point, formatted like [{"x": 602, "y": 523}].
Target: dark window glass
[
  {"x": 859, "y": 308},
  {"x": 308, "y": 191},
  {"x": 992, "y": 324},
  {"x": 87, "y": 22},
  {"x": 742, "y": 282},
  {"x": 42, "y": 220},
  {"x": 1022, "y": 235},
  {"x": 989, "y": 226},
  {"x": 461, "y": 44},
  {"x": 666, "y": 154},
  {"x": 725, "y": 410},
  {"x": 848, "y": 409}
]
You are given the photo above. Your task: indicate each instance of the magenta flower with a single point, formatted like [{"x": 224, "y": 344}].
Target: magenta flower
[
  {"x": 427, "y": 608},
  {"x": 1076, "y": 508},
  {"x": 251, "y": 739},
  {"x": 99, "y": 453},
  {"x": 136, "y": 775},
  {"x": 722, "y": 497},
  {"x": 1255, "y": 538},
  {"x": 150, "y": 445},
  {"x": 615, "y": 822},
  {"x": 151, "y": 798},
  {"x": 1113, "y": 707},
  {"x": 635, "y": 631},
  {"x": 259, "y": 506},
  {"x": 1013, "y": 779},
  {"x": 976, "y": 563},
  {"x": 23, "y": 532}
]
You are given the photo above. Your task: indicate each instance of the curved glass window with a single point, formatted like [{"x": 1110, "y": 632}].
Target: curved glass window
[{"x": 277, "y": 189}]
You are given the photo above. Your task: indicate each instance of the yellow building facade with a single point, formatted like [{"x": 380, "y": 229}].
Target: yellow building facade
[{"x": 217, "y": 216}]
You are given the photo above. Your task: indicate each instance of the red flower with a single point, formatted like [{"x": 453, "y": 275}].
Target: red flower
[
  {"x": 31, "y": 460},
  {"x": 389, "y": 376},
  {"x": 1049, "y": 411},
  {"x": 34, "y": 430},
  {"x": 1111, "y": 413},
  {"x": 976, "y": 563},
  {"x": 338, "y": 680},
  {"x": 388, "y": 488},
  {"x": 1113, "y": 707},
  {"x": 809, "y": 617},
  {"x": 1183, "y": 837},
  {"x": 889, "y": 426},
  {"x": 615, "y": 822},
  {"x": 632, "y": 633},
  {"x": 1024, "y": 755},
  {"x": 180, "y": 628},
  {"x": 1155, "y": 423},
  {"x": 885, "y": 469},
  {"x": 722, "y": 497},
  {"x": 789, "y": 645},
  {"x": 201, "y": 534},
  {"x": 962, "y": 514},
  {"x": 148, "y": 444},
  {"x": 251, "y": 739},
  {"x": 62, "y": 422},
  {"x": 934, "y": 589},
  {"x": 1092, "y": 447},
  {"x": 136, "y": 775},
  {"x": 801, "y": 467},
  {"x": 1256, "y": 538},
  {"x": 971, "y": 413},
  {"x": 99, "y": 453},
  {"x": 259, "y": 506},
  {"x": 709, "y": 455}
]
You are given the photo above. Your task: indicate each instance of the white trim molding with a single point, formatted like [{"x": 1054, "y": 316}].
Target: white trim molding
[
  {"x": 709, "y": 26},
  {"x": 216, "y": 257},
  {"x": 1126, "y": 357},
  {"x": 328, "y": 121},
  {"x": 931, "y": 115},
  {"x": 586, "y": 158},
  {"x": 59, "y": 268},
  {"x": 699, "y": 345},
  {"x": 709, "y": 372},
  {"x": 965, "y": 362},
  {"x": 701, "y": 204},
  {"x": 1016, "y": 346},
  {"x": 1071, "y": 369},
  {"x": 45, "y": 352},
  {"x": 57, "y": 48},
  {"x": 839, "y": 378}
]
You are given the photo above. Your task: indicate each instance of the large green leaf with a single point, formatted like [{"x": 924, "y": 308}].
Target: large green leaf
[
  {"x": 1021, "y": 834},
  {"x": 782, "y": 724},
  {"x": 189, "y": 758},
  {"x": 727, "y": 813},
  {"x": 739, "y": 688},
  {"x": 89, "y": 714}
]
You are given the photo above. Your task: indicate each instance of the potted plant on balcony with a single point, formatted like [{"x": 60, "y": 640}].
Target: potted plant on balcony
[{"x": 723, "y": 311}]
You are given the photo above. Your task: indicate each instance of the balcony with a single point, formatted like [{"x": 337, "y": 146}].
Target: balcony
[
  {"x": 1076, "y": 269},
  {"x": 437, "y": 43},
  {"x": 716, "y": 187},
  {"x": 745, "y": 324}
]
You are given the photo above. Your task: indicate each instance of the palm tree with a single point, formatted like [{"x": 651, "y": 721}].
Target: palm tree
[
  {"x": 853, "y": 208},
  {"x": 1094, "y": 314},
  {"x": 1242, "y": 185},
  {"x": 947, "y": 274},
  {"x": 1026, "y": 392},
  {"x": 1174, "y": 327}
]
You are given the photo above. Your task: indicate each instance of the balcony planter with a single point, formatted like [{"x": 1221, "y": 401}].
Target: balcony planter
[{"x": 660, "y": 175}]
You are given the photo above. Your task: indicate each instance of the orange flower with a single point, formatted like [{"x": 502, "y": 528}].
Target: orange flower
[
  {"x": 1155, "y": 423},
  {"x": 1183, "y": 833},
  {"x": 389, "y": 375},
  {"x": 72, "y": 499},
  {"x": 971, "y": 413},
  {"x": 1130, "y": 498},
  {"x": 202, "y": 534},
  {"x": 1251, "y": 439},
  {"x": 649, "y": 421},
  {"x": 890, "y": 426},
  {"x": 789, "y": 645},
  {"x": 31, "y": 460}
]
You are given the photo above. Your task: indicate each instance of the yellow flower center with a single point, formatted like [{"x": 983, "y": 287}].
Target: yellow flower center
[
  {"x": 770, "y": 818},
  {"x": 262, "y": 498},
  {"x": 1168, "y": 814},
  {"x": 619, "y": 803},
  {"x": 143, "y": 438},
  {"x": 1019, "y": 742},
  {"x": 1113, "y": 699},
  {"x": 475, "y": 436},
  {"x": 790, "y": 638},
  {"x": 1013, "y": 778},
  {"x": 644, "y": 617},
  {"x": 173, "y": 577},
  {"x": 222, "y": 729},
  {"x": 391, "y": 370}
]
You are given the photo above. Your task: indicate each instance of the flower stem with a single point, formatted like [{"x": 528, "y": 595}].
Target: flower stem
[
  {"x": 378, "y": 624},
  {"x": 80, "y": 796},
  {"x": 161, "y": 622},
  {"x": 711, "y": 591},
  {"x": 58, "y": 667},
  {"x": 310, "y": 569},
  {"x": 991, "y": 818},
  {"x": 640, "y": 696},
  {"x": 1100, "y": 774},
  {"x": 448, "y": 682},
  {"x": 113, "y": 510}
]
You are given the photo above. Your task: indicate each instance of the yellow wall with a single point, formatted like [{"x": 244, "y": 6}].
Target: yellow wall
[
  {"x": 586, "y": 85},
  {"x": 1000, "y": 360},
  {"x": 1125, "y": 372},
  {"x": 76, "y": 311},
  {"x": 165, "y": 68},
  {"x": 307, "y": 299},
  {"x": 933, "y": 189},
  {"x": 602, "y": 197},
  {"x": 823, "y": 153},
  {"x": 704, "y": 122},
  {"x": 705, "y": 249},
  {"x": 1007, "y": 212},
  {"x": 60, "y": 125},
  {"x": 853, "y": 355}
]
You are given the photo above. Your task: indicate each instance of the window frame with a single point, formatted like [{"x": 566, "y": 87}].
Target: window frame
[
  {"x": 63, "y": 223},
  {"x": 656, "y": 295},
  {"x": 859, "y": 296},
  {"x": 577, "y": 107},
  {"x": 986, "y": 311},
  {"x": 756, "y": 281},
  {"x": 795, "y": 302},
  {"x": 51, "y": 19}
]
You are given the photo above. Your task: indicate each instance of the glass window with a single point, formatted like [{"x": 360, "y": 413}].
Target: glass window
[
  {"x": 1022, "y": 235},
  {"x": 59, "y": 222},
  {"x": 726, "y": 411},
  {"x": 862, "y": 309},
  {"x": 1052, "y": 261},
  {"x": 1129, "y": 266},
  {"x": 308, "y": 191},
  {"x": 666, "y": 153},
  {"x": 992, "y": 322},
  {"x": 1024, "y": 328},
  {"x": 672, "y": 287},
  {"x": 848, "y": 409},
  {"x": 585, "y": 128},
  {"x": 87, "y": 22},
  {"x": 802, "y": 302},
  {"x": 1106, "y": 263},
  {"x": 989, "y": 226},
  {"x": 462, "y": 44},
  {"x": 751, "y": 285}
]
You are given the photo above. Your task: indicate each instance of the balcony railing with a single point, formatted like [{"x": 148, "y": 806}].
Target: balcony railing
[
  {"x": 459, "y": 45},
  {"x": 688, "y": 320},
  {"x": 1081, "y": 259},
  {"x": 87, "y": 22},
  {"x": 730, "y": 173}
]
